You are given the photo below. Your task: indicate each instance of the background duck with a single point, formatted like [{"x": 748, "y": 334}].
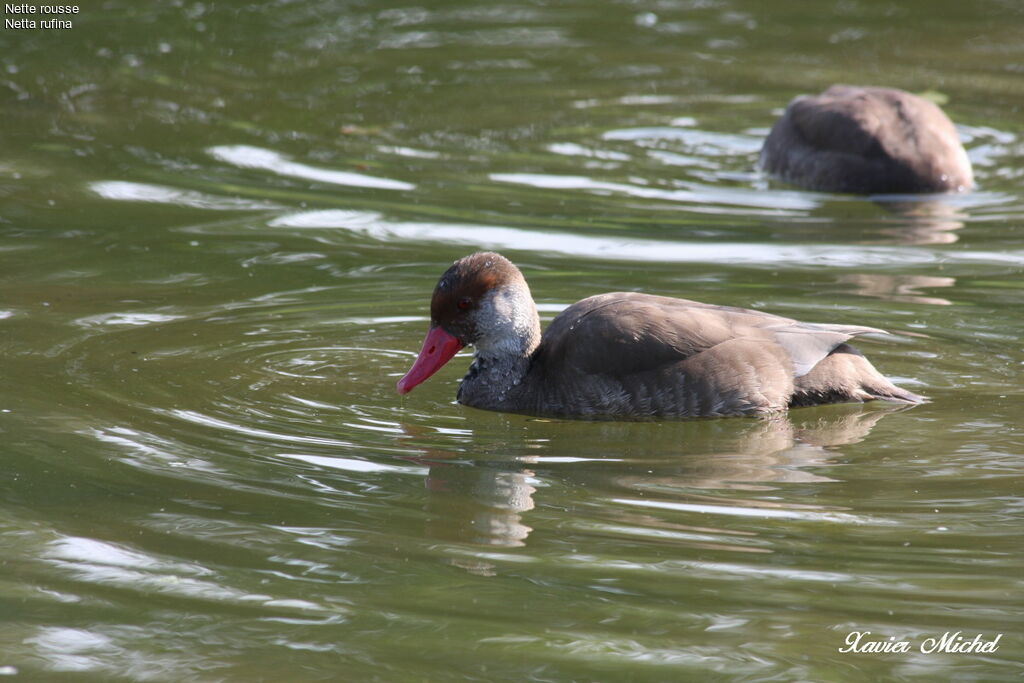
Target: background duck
[{"x": 866, "y": 140}]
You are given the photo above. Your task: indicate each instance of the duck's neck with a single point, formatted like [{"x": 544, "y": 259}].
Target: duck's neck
[
  {"x": 502, "y": 358},
  {"x": 493, "y": 383}
]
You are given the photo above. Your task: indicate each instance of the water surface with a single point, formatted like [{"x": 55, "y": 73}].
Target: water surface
[{"x": 219, "y": 228}]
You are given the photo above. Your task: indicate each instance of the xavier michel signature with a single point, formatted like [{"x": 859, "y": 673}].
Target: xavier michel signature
[{"x": 860, "y": 642}]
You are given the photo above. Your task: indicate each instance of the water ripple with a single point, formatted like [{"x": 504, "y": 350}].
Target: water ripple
[
  {"x": 247, "y": 156},
  {"x": 160, "y": 194},
  {"x": 811, "y": 256}
]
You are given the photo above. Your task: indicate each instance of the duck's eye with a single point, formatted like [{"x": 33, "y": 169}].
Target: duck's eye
[{"x": 464, "y": 303}]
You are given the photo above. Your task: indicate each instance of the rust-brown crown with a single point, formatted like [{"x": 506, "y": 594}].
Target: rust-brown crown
[{"x": 461, "y": 288}]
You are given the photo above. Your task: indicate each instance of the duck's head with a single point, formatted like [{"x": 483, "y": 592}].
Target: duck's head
[{"x": 481, "y": 300}]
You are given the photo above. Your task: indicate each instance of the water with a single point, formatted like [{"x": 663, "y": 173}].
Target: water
[{"x": 219, "y": 229}]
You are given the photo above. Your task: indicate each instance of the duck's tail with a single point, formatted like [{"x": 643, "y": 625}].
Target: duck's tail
[
  {"x": 846, "y": 375},
  {"x": 891, "y": 392}
]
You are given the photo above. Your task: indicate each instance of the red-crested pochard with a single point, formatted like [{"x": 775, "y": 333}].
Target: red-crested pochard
[
  {"x": 627, "y": 354},
  {"x": 867, "y": 141}
]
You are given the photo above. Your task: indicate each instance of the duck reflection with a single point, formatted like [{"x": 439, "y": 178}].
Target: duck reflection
[
  {"x": 482, "y": 500},
  {"x": 914, "y": 222},
  {"x": 921, "y": 221},
  {"x": 904, "y": 288}
]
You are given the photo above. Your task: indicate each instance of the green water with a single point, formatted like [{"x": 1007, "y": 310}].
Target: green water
[{"x": 220, "y": 224}]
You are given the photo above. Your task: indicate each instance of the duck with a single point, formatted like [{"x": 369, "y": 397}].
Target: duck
[
  {"x": 867, "y": 140},
  {"x": 626, "y": 355}
]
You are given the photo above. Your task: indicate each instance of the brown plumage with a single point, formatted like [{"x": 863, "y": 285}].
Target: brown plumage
[
  {"x": 867, "y": 141},
  {"x": 627, "y": 354}
]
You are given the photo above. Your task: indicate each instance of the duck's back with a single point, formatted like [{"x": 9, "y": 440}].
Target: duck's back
[{"x": 644, "y": 355}]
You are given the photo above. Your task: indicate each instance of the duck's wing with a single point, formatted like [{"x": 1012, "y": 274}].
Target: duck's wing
[
  {"x": 622, "y": 334},
  {"x": 807, "y": 344}
]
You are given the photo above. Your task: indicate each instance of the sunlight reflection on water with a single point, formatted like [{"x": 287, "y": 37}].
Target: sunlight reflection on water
[
  {"x": 246, "y": 156},
  {"x": 373, "y": 224}
]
